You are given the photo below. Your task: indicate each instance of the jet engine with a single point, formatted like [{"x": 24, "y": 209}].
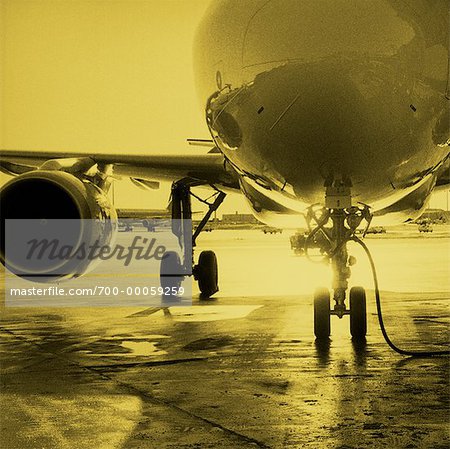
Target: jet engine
[{"x": 53, "y": 204}]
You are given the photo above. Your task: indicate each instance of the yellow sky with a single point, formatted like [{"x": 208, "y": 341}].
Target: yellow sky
[{"x": 102, "y": 76}]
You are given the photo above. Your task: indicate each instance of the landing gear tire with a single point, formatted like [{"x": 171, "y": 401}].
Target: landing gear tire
[
  {"x": 170, "y": 274},
  {"x": 206, "y": 273},
  {"x": 322, "y": 322},
  {"x": 358, "y": 316}
]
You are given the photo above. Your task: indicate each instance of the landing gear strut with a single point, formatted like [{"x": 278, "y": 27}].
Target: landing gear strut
[
  {"x": 206, "y": 271},
  {"x": 332, "y": 241}
]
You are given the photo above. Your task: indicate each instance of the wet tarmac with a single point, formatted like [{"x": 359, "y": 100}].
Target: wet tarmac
[{"x": 241, "y": 370}]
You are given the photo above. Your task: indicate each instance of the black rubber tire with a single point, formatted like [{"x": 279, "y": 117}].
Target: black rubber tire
[
  {"x": 207, "y": 274},
  {"x": 322, "y": 321},
  {"x": 358, "y": 315},
  {"x": 171, "y": 271}
]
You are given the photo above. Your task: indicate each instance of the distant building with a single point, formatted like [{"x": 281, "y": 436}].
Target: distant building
[
  {"x": 237, "y": 218},
  {"x": 436, "y": 216}
]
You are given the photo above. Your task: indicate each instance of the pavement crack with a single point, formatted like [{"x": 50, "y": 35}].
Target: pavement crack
[
  {"x": 131, "y": 389},
  {"x": 157, "y": 401},
  {"x": 151, "y": 363}
]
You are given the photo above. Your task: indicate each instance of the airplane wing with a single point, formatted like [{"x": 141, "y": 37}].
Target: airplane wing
[{"x": 206, "y": 168}]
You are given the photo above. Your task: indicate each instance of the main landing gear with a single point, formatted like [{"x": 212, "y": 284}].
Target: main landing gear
[
  {"x": 332, "y": 242},
  {"x": 173, "y": 269}
]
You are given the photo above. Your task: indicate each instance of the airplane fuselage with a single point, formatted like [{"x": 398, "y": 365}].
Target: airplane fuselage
[{"x": 301, "y": 93}]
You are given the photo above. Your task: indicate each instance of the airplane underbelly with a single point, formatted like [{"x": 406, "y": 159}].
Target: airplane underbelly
[{"x": 299, "y": 125}]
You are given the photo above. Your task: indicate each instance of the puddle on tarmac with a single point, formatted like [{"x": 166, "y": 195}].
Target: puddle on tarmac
[
  {"x": 137, "y": 347},
  {"x": 141, "y": 348},
  {"x": 207, "y": 313},
  {"x": 144, "y": 337}
]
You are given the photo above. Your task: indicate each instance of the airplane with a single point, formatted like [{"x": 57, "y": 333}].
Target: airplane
[
  {"x": 336, "y": 111},
  {"x": 147, "y": 218}
]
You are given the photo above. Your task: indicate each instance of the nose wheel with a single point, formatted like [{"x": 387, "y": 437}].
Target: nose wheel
[
  {"x": 330, "y": 229},
  {"x": 357, "y": 313},
  {"x": 322, "y": 321}
]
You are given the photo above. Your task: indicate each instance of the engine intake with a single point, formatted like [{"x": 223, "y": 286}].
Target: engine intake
[{"x": 44, "y": 196}]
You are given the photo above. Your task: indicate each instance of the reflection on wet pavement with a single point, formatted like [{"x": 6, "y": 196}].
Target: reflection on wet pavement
[
  {"x": 230, "y": 372},
  {"x": 210, "y": 313}
]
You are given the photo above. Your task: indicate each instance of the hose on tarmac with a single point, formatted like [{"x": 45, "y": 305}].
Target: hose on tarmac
[{"x": 380, "y": 314}]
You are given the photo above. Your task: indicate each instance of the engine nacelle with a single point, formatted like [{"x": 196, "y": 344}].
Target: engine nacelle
[{"x": 42, "y": 196}]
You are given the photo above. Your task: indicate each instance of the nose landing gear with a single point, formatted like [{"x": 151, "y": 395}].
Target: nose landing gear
[{"x": 332, "y": 242}]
